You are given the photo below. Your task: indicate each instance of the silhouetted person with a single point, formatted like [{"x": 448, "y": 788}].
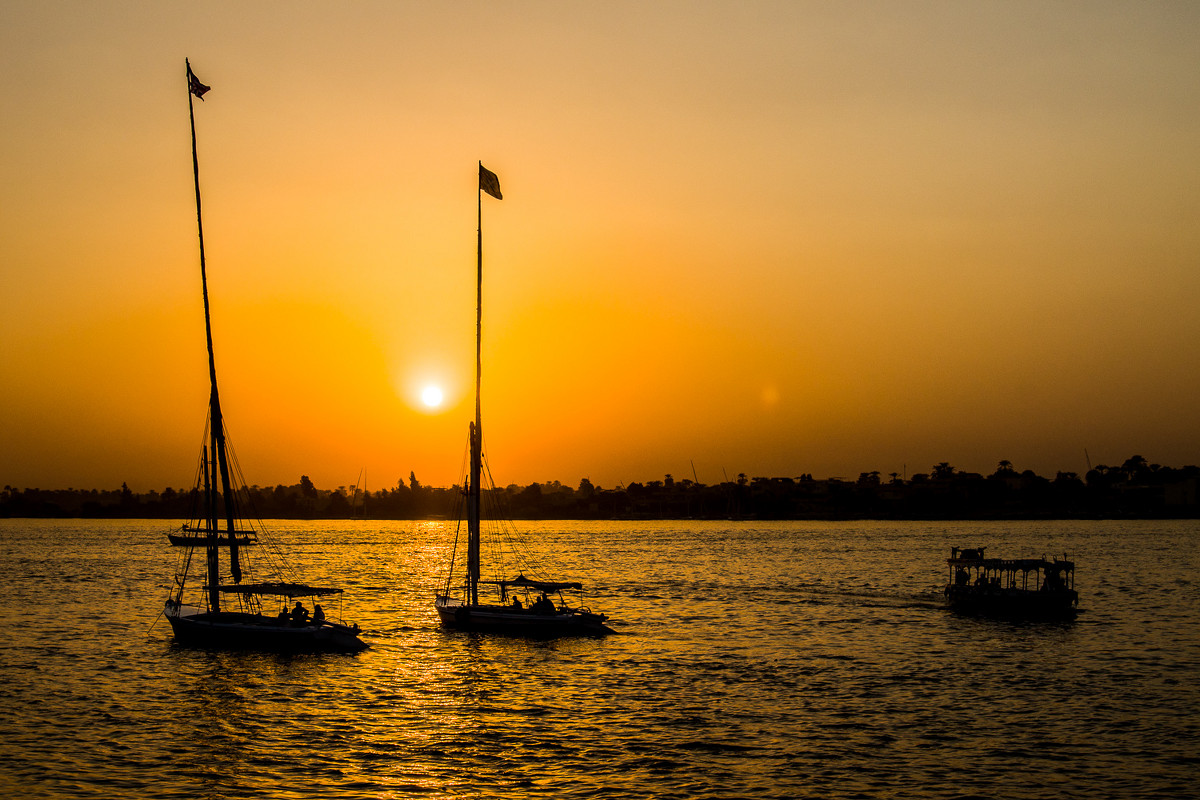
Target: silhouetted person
[
  {"x": 299, "y": 614},
  {"x": 1053, "y": 581},
  {"x": 516, "y": 603},
  {"x": 318, "y": 614}
]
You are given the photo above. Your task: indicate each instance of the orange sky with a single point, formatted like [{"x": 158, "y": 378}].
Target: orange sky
[{"x": 772, "y": 238}]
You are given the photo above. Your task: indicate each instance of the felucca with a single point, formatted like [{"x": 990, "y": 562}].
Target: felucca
[
  {"x": 545, "y": 610},
  {"x": 228, "y": 611}
]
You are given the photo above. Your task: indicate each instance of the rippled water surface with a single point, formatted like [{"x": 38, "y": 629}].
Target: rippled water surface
[{"x": 754, "y": 660}]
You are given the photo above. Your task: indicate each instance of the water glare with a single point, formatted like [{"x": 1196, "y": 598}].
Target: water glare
[{"x": 753, "y": 660}]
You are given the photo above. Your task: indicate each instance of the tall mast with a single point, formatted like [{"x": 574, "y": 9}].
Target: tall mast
[
  {"x": 474, "y": 495},
  {"x": 216, "y": 422},
  {"x": 488, "y": 182}
]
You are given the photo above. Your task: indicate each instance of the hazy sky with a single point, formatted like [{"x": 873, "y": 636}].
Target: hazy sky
[{"x": 763, "y": 237}]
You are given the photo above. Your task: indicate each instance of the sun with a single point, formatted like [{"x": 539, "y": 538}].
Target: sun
[{"x": 432, "y": 396}]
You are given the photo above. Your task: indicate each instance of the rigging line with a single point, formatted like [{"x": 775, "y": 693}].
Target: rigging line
[
  {"x": 273, "y": 552},
  {"x": 458, "y": 517},
  {"x": 453, "y": 553},
  {"x": 495, "y": 542},
  {"x": 500, "y": 544},
  {"x": 197, "y": 498},
  {"x": 184, "y": 563},
  {"x": 506, "y": 531},
  {"x": 240, "y": 499},
  {"x": 459, "y": 503},
  {"x": 496, "y": 522},
  {"x": 181, "y": 572}
]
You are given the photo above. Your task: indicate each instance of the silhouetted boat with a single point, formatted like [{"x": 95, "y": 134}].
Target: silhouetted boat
[
  {"x": 229, "y": 612},
  {"x": 1016, "y": 588},
  {"x": 546, "y": 611},
  {"x": 357, "y": 509},
  {"x": 189, "y": 536}
]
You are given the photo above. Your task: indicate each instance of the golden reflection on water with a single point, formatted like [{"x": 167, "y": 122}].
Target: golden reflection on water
[{"x": 752, "y": 660}]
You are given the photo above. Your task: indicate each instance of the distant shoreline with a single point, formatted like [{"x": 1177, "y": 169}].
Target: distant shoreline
[
  {"x": 1171, "y": 517},
  {"x": 1134, "y": 490}
]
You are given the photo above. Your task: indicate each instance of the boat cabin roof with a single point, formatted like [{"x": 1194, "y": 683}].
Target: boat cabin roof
[
  {"x": 542, "y": 586},
  {"x": 973, "y": 557},
  {"x": 280, "y": 589}
]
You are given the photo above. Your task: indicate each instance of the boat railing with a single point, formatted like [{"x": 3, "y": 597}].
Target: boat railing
[{"x": 969, "y": 569}]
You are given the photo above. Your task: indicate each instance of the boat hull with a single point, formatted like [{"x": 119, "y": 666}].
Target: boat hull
[
  {"x": 188, "y": 540},
  {"x": 240, "y": 631},
  {"x": 1012, "y": 603},
  {"x": 523, "y": 622}
]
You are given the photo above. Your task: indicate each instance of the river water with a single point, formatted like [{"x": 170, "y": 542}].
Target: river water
[{"x": 754, "y": 660}]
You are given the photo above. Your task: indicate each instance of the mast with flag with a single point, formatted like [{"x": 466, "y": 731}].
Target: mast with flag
[
  {"x": 462, "y": 609},
  {"x": 238, "y": 621},
  {"x": 488, "y": 182},
  {"x": 220, "y": 461}
]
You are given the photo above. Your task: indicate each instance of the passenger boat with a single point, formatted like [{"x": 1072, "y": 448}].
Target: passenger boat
[
  {"x": 225, "y": 610},
  {"x": 545, "y": 610},
  {"x": 1017, "y": 588}
]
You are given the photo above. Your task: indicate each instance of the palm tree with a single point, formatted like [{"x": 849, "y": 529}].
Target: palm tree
[
  {"x": 943, "y": 471},
  {"x": 1133, "y": 467}
]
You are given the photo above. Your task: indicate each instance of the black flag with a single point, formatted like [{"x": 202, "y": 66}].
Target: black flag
[
  {"x": 195, "y": 85},
  {"x": 489, "y": 183}
]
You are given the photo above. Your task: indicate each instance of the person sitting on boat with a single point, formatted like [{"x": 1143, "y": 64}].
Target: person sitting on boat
[
  {"x": 318, "y": 614},
  {"x": 299, "y": 615},
  {"x": 543, "y": 605},
  {"x": 516, "y": 603},
  {"x": 282, "y": 619},
  {"x": 1054, "y": 581}
]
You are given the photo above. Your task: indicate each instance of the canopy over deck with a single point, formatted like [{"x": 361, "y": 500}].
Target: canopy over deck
[
  {"x": 973, "y": 557},
  {"x": 280, "y": 589},
  {"x": 542, "y": 586}
]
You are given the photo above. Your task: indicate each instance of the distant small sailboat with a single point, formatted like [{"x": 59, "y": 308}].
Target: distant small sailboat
[
  {"x": 229, "y": 612},
  {"x": 194, "y": 532},
  {"x": 545, "y": 611},
  {"x": 198, "y": 537},
  {"x": 358, "y": 497}
]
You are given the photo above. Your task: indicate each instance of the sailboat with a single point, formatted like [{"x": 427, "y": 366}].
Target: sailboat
[
  {"x": 228, "y": 610},
  {"x": 358, "y": 510},
  {"x": 196, "y": 535},
  {"x": 545, "y": 610},
  {"x": 194, "y": 532}
]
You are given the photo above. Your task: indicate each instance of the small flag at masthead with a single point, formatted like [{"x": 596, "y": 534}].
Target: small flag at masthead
[
  {"x": 197, "y": 88},
  {"x": 489, "y": 183}
]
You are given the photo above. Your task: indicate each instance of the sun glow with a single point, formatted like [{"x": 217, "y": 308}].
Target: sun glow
[{"x": 432, "y": 396}]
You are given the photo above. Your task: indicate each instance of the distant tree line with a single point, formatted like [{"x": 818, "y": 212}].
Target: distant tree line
[{"x": 1135, "y": 489}]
